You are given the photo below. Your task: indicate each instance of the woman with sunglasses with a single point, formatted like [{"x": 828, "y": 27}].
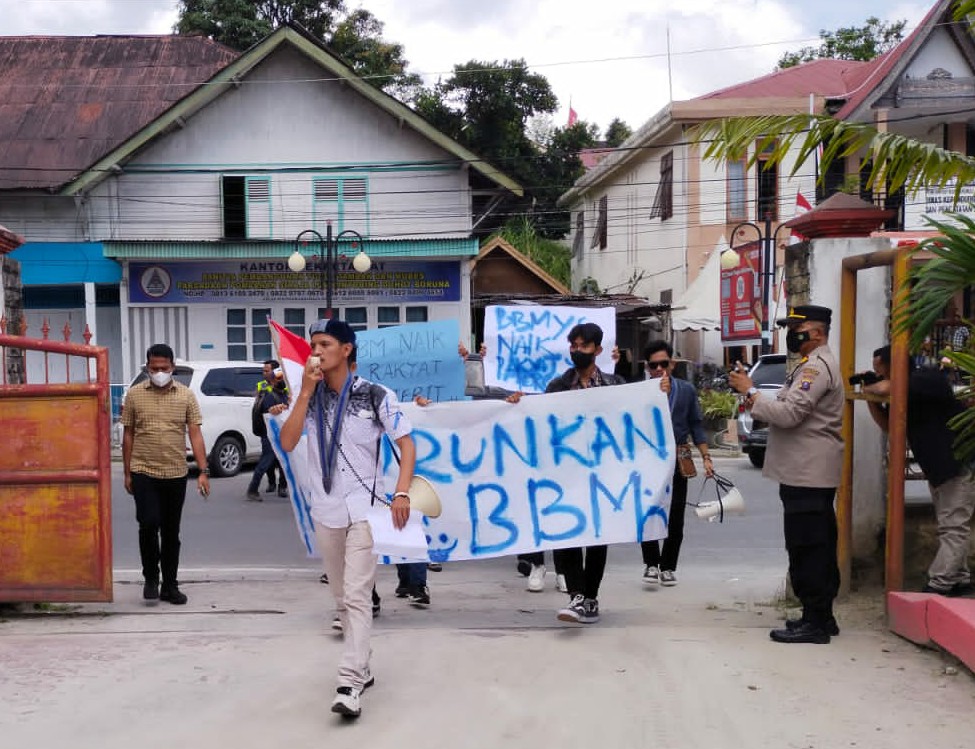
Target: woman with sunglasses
[{"x": 658, "y": 359}]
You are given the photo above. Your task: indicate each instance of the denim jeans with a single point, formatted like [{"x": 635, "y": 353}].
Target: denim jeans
[
  {"x": 412, "y": 575},
  {"x": 263, "y": 465}
]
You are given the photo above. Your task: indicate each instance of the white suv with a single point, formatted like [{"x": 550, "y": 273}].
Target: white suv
[{"x": 225, "y": 391}]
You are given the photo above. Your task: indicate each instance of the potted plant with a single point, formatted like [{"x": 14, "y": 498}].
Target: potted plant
[{"x": 718, "y": 408}]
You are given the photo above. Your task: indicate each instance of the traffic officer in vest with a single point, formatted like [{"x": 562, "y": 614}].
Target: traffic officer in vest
[{"x": 804, "y": 455}]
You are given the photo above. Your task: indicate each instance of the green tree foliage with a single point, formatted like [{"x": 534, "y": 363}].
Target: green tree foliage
[
  {"x": 850, "y": 43},
  {"x": 554, "y": 257},
  {"x": 357, "y": 35},
  {"x": 617, "y": 132}
]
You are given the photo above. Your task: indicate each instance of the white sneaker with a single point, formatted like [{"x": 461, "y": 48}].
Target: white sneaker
[
  {"x": 536, "y": 578},
  {"x": 668, "y": 578},
  {"x": 651, "y": 574},
  {"x": 560, "y": 584},
  {"x": 346, "y": 702}
]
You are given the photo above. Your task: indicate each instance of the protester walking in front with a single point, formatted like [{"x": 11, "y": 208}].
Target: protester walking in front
[
  {"x": 345, "y": 417},
  {"x": 685, "y": 414},
  {"x": 157, "y": 416},
  {"x": 931, "y": 405},
  {"x": 804, "y": 454},
  {"x": 271, "y": 391}
]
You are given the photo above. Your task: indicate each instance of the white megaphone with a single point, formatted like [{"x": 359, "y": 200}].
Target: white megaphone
[
  {"x": 732, "y": 503},
  {"x": 423, "y": 497}
]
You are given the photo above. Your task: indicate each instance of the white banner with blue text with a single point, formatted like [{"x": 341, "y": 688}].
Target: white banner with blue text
[
  {"x": 584, "y": 467},
  {"x": 527, "y": 345}
]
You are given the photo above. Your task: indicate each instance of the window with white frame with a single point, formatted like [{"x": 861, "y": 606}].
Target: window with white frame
[
  {"x": 248, "y": 335},
  {"x": 737, "y": 191}
]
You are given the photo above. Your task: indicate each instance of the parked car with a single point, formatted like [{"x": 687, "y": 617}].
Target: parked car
[
  {"x": 225, "y": 391},
  {"x": 768, "y": 375}
]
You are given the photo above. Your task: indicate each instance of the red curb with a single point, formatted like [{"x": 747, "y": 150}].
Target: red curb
[
  {"x": 951, "y": 624},
  {"x": 907, "y": 616}
]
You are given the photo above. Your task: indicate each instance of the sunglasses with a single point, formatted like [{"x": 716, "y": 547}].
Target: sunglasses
[{"x": 655, "y": 364}]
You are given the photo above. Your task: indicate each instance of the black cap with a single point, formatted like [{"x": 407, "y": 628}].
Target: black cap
[
  {"x": 340, "y": 331},
  {"x": 804, "y": 312}
]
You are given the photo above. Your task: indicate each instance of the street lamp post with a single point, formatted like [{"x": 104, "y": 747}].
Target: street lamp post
[
  {"x": 327, "y": 250},
  {"x": 730, "y": 259}
]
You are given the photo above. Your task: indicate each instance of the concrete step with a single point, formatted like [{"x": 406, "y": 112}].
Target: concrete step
[{"x": 927, "y": 619}]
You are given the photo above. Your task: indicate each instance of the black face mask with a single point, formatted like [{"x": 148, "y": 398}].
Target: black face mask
[
  {"x": 582, "y": 360},
  {"x": 794, "y": 341}
]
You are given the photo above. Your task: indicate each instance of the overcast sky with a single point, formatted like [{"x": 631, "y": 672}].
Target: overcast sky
[{"x": 608, "y": 57}]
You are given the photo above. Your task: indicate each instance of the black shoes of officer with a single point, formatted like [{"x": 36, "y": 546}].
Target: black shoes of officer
[
  {"x": 150, "y": 591},
  {"x": 805, "y": 632},
  {"x": 172, "y": 594},
  {"x": 831, "y": 626}
]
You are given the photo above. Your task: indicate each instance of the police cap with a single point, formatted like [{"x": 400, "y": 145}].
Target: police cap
[{"x": 806, "y": 312}]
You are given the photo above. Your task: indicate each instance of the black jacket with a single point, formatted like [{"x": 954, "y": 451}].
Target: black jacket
[
  {"x": 264, "y": 401},
  {"x": 567, "y": 379}
]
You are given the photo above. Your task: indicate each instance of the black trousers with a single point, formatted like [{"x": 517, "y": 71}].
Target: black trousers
[
  {"x": 583, "y": 569},
  {"x": 675, "y": 530},
  {"x": 809, "y": 521},
  {"x": 538, "y": 557},
  {"x": 159, "y": 510}
]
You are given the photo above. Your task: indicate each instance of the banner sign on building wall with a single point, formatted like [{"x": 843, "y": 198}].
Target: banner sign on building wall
[
  {"x": 935, "y": 201},
  {"x": 584, "y": 467},
  {"x": 415, "y": 359},
  {"x": 741, "y": 297},
  {"x": 242, "y": 281},
  {"x": 527, "y": 345}
]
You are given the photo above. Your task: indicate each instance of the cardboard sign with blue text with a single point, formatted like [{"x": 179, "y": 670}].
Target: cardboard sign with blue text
[
  {"x": 414, "y": 359},
  {"x": 583, "y": 467},
  {"x": 527, "y": 345}
]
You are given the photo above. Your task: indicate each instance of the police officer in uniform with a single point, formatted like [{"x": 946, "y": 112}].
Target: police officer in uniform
[{"x": 804, "y": 455}]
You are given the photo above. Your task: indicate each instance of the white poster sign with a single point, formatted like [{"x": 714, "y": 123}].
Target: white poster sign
[
  {"x": 527, "y": 345},
  {"x": 578, "y": 468}
]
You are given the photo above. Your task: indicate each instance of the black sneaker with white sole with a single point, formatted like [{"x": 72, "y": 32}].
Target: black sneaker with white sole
[
  {"x": 420, "y": 596},
  {"x": 575, "y": 611}
]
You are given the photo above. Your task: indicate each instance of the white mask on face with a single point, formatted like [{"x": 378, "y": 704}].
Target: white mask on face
[{"x": 161, "y": 379}]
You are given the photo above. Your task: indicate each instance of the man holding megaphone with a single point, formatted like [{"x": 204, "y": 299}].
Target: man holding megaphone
[{"x": 345, "y": 417}]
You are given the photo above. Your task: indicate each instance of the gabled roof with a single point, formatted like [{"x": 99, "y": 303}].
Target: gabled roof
[
  {"x": 65, "y": 101},
  {"x": 497, "y": 244},
  {"x": 193, "y": 86},
  {"x": 888, "y": 68}
]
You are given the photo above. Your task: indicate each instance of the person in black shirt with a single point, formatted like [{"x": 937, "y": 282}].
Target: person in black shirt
[{"x": 931, "y": 404}]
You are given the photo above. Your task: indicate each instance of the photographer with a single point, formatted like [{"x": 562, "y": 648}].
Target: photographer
[{"x": 931, "y": 404}]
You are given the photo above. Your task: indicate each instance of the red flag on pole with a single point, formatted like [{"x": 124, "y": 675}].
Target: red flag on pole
[
  {"x": 572, "y": 116},
  {"x": 802, "y": 206},
  {"x": 293, "y": 351}
]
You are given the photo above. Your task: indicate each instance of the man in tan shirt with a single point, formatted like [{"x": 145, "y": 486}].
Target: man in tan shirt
[
  {"x": 157, "y": 415},
  {"x": 804, "y": 454}
]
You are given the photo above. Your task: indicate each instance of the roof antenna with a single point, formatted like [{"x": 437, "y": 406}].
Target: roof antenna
[{"x": 670, "y": 76}]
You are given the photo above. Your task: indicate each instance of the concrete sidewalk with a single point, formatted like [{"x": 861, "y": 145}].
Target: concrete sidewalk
[{"x": 250, "y": 662}]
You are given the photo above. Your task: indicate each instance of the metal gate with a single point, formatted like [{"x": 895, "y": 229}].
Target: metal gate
[{"x": 55, "y": 471}]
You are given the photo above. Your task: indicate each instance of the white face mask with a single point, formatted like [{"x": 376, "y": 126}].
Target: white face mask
[{"x": 161, "y": 379}]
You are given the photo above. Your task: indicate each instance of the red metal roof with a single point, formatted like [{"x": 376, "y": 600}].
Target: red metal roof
[
  {"x": 820, "y": 77},
  {"x": 8, "y": 242},
  {"x": 67, "y": 101}
]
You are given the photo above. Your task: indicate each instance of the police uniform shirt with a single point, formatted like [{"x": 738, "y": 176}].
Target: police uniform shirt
[{"x": 805, "y": 445}]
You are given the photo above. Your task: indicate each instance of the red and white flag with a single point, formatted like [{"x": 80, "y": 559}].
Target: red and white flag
[
  {"x": 802, "y": 206},
  {"x": 293, "y": 352},
  {"x": 572, "y": 116}
]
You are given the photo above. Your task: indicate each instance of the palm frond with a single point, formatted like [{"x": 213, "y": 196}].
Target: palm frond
[
  {"x": 898, "y": 161},
  {"x": 964, "y": 8},
  {"x": 935, "y": 283}
]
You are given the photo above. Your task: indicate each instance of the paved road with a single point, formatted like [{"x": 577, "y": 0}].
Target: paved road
[
  {"x": 250, "y": 661},
  {"x": 227, "y": 531}
]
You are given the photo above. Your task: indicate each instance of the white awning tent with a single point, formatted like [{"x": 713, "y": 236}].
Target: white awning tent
[{"x": 699, "y": 307}]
